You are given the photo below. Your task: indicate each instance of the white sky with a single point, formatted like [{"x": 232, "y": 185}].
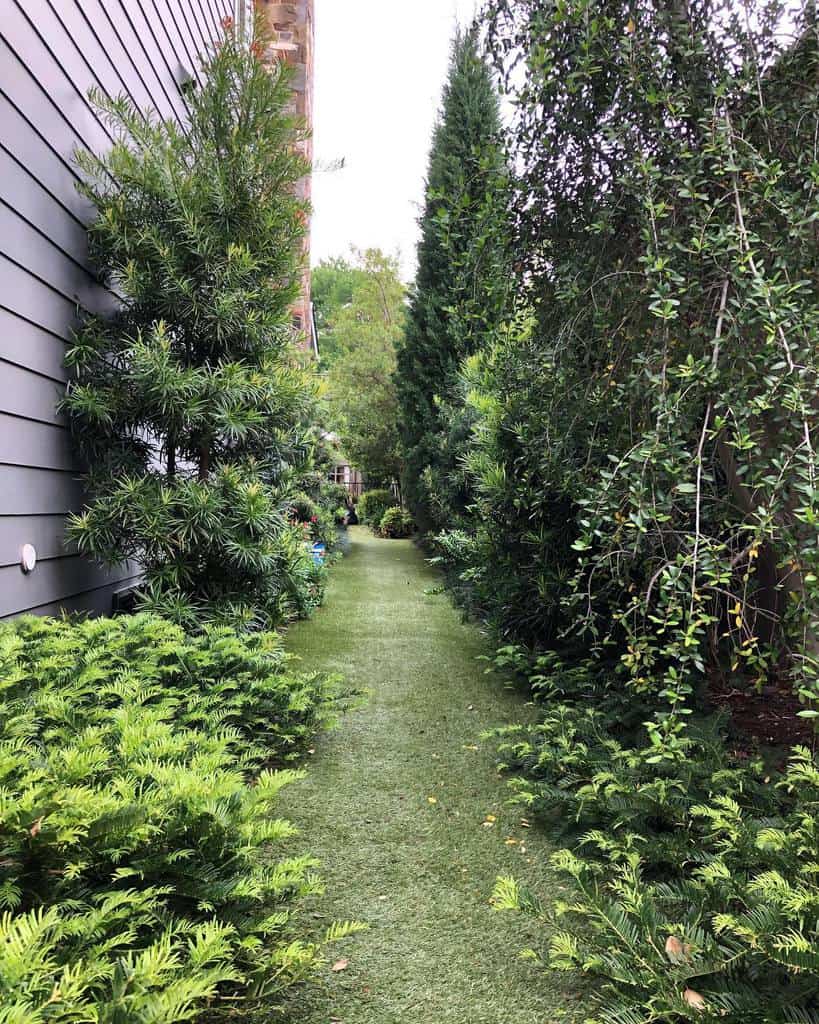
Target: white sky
[{"x": 380, "y": 68}]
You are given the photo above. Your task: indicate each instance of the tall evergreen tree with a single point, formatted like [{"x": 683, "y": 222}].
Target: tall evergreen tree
[
  {"x": 186, "y": 402},
  {"x": 461, "y": 283}
]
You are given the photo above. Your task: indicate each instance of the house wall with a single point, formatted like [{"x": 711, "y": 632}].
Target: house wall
[{"x": 51, "y": 53}]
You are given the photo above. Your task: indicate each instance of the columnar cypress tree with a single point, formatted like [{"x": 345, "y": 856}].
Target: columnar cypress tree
[
  {"x": 187, "y": 399},
  {"x": 461, "y": 283}
]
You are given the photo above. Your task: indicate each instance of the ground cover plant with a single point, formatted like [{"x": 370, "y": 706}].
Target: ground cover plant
[
  {"x": 188, "y": 403},
  {"x": 142, "y": 877},
  {"x": 695, "y": 884}
]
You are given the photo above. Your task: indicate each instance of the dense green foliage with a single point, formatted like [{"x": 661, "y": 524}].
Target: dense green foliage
[
  {"x": 139, "y": 876},
  {"x": 333, "y": 285},
  {"x": 695, "y": 886},
  {"x": 186, "y": 402},
  {"x": 396, "y": 523},
  {"x": 372, "y": 505},
  {"x": 461, "y": 286},
  {"x": 361, "y": 390},
  {"x": 643, "y": 520},
  {"x": 647, "y": 435}
]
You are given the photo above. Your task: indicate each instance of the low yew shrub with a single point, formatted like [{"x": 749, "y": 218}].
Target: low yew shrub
[
  {"x": 140, "y": 875},
  {"x": 695, "y": 890}
]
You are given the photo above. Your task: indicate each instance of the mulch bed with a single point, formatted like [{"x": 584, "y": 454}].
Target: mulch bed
[{"x": 769, "y": 717}]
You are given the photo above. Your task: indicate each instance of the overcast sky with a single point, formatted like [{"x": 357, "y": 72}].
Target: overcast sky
[{"x": 380, "y": 68}]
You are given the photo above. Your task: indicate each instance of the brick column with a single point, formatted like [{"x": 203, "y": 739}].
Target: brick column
[{"x": 292, "y": 29}]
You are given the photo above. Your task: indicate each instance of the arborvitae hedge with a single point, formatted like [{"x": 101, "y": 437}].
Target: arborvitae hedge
[{"x": 461, "y": 284}]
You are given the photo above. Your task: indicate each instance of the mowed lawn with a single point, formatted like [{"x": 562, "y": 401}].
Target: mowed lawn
[{"x": 405, "y": 809}]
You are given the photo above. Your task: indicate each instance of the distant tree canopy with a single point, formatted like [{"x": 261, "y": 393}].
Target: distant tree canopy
[
  {"x": 333, "y": 284},
  {"x": 364, "y": 312}
]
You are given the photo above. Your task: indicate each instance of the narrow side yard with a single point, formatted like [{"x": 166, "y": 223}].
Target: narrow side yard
[{"x": 407, "y": 813}]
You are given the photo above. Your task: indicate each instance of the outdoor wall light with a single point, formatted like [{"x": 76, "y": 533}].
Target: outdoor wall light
[{"x": 28, "y": 558}]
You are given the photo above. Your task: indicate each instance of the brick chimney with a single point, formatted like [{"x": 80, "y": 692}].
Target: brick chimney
[{"x": 292, "y": 29}]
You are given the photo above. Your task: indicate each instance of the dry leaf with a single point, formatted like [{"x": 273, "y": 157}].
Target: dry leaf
[
  {"x": 673, "y": 947},
  {"x": 631, "y": 27},
  {"x": 340, "y": 965},
  {"x": 676, "y": 950},
  {"x": 36, "y": 827},
  {"x": 694, "y": 999}
]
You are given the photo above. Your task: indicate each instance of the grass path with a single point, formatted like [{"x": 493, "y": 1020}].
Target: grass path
[{"x": 396, "y": 807}]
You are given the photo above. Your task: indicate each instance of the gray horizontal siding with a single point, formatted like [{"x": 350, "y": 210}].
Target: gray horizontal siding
[
  {"x": 29, "y": 395},
  {"x": 53, "y": 580},
  {"x": 25, "y": 344},
  {"x": 46, "y": 533},
  {"x": 28, "y": 491},
  {"x": 28, "y": 443},
  {"x": 96, "y": 601},
  {"x": 37, "y": 254},
  {"x": 52, "y": 52}
]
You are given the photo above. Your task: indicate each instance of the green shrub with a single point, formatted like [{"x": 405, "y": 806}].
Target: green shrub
[
  {"x": 139, "y": 872},
  {"x": 185, "y": 402},
  {"x": 317, "y": 522},
  {"x": 333, "y": 495},
  {"x": 216, "y": 680},
  {"x": 396, "y": 523},
  {"x": 696, "y": 894},
  {"x": 372, "y": 505}
]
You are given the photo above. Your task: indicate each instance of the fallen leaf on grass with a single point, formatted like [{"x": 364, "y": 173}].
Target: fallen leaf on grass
[
  {"x": 340, "y": 965},
  {"x": 432, "y": 800}
]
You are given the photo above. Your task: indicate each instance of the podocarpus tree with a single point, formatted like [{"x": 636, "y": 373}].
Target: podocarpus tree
[
  {"x": 461, "y": 283},
  {"x": 187, "y": 398}
]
